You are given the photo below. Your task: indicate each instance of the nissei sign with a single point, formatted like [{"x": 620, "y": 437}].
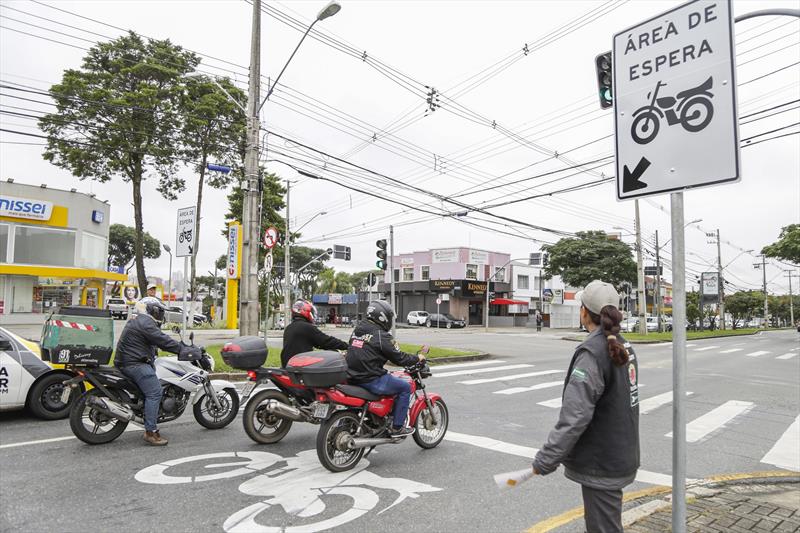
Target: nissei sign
[
  {"x": 233, "y": 251},
  {"x": 14, "y": 207}
]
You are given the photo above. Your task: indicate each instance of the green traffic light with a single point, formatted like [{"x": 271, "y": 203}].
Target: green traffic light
[{"x": 606, "y": 94}]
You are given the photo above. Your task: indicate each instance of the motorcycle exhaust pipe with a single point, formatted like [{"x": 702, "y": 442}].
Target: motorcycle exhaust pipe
[
  {"x": 274, "y": 407},
  {"x": 111, "y": 408},
  {"x": 370, "y": 442}
]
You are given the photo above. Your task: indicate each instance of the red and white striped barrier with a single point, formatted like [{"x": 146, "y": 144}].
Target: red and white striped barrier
[{"x": 74, "y": 325}]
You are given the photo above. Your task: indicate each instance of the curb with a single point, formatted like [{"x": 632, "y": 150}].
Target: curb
[
  {"x": 661, "y": 341},
  {"x": 242, "y": 376},
  {"x": 699, "y": 489}
]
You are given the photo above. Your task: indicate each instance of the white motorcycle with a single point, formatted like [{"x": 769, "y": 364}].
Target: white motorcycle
[{"x": 103, "y": 412}]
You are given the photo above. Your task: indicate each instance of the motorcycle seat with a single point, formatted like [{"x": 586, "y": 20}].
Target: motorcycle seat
[{"x": 357, "y": 392}]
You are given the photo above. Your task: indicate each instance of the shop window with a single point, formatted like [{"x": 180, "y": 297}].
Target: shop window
[
  {"x": 44, "y": 246},
  {"x": 94, "y": 251},
  {"x": 3, "y": 242},
  {"x": 523, "y": 282},
  {"x": 425, "y": 273},
  {"x": 472, "y": 272},
  {"x": 396, "y": 275},
  {"x": 408, "y": 273}
]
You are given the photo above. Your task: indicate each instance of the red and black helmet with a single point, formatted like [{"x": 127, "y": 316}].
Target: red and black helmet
[{"x": 305, "y": 309}]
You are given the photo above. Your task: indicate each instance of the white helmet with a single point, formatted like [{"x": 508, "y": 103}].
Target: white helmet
[{"x": 152, "y": 306}]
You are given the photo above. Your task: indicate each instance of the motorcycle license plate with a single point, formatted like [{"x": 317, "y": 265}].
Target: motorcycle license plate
[
  {"x": 65, "y": 394},
  {"x": 321, "y": 410},
  {"x": 248, "y": 388}
]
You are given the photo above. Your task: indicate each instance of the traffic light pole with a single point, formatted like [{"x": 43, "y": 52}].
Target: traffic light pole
[
  {"x": 641, "y": 298},
  {"x": 721, "y": 282},
  {"x": 287, "y": 287},
  {"x": 391, "y": 277},
  {"x": 657, "y": 296}
]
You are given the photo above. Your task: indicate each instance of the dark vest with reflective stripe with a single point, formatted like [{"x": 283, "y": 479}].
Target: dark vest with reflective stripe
[{"x": 609, "y": 447}]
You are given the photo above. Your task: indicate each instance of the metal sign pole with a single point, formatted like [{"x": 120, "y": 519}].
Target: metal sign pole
[
  {"x": 185, "y": 273},
  {"x": 678, "y": 365}
]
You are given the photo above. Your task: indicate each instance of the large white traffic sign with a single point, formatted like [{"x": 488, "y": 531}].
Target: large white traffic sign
[
  {"x": 675, "y": 101},
  {"x": 184, "y": 233}
]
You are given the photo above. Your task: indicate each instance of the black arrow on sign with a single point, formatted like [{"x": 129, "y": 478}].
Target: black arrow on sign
[
  {"x": 630, "y": 180},
  {"x": 190, "y": 249}
]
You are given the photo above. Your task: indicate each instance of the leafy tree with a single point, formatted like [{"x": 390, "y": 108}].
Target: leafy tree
[
  {"x": 590, "y": 255},
  {"x": 222, "y": 262},
  {"x": 121, "y": 241},
  {"x": 331, "y": 281},
  {"x": 744, "y": 305},
  {"x": 213, "y": 129},
  {"x": 359, "y": 279},
  {"x": 787, "y": 247},
  {"x": 118, "y": 115}
]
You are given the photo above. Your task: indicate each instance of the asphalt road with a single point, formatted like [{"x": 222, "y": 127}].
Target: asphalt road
[{"x": 742, "y": 413}]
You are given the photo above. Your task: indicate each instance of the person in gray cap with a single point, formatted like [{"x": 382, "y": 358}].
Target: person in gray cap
[{"x": 596, "y": 437}]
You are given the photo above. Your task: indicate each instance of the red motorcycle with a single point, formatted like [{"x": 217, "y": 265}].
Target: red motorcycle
[{"x": 354, "y": 420}]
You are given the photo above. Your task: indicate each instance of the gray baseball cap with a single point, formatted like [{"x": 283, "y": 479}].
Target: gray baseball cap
[{"x": 598, "y": 294}]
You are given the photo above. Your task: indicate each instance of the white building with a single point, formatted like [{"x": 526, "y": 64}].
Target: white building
[{"x": 559, "y": 308}]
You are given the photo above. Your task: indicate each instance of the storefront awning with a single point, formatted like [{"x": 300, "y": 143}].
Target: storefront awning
[
  {"x": 61, "y": 272},
  {"x": 506, "y": 301}
]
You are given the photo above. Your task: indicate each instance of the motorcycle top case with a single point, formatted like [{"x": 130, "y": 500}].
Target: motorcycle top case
[
  {"x": 245, "y": 353},
  {"x": 78, "y": 335},
  {"x": 318, "y": 369}
]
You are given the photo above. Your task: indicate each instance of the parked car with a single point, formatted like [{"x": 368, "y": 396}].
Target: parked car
[
  {"x": 417, "y": 318},
  {"x": 175, "y": 314},
  {"x": 443, "y": 320},
  {"x": 629, "y": 325},
  {"x": 652, "y": 323},
  {"x": 118, "y": 308}
]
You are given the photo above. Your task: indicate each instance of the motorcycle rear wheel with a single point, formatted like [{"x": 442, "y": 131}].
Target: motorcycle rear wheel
[
  {"x": 429, "y": 433},
  {"x": 81, "y": 414},
  {"x": 261, "y": 426},
  {"x": 207, "y": 415},
  {"x": 333, "y": 431}
]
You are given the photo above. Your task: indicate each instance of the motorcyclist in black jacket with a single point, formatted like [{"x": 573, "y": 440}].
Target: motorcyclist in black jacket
[
  {"x": 371, "y": 346},
  {"x": 135, "y": 355},
  {"x": 303, "y": 336}
]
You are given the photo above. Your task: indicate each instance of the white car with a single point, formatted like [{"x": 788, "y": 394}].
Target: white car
[
  {"x": 417, "y": 318},
  {"x": 652, "y": 323},
  {"x": 629, "y": 325},
  {"x": 28, "y": 382}
]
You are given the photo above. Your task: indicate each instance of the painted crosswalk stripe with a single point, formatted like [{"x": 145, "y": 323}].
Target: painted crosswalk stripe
[
  {"x": 732, "y": 350},
  {"x": 786, "y": 451},
  {"x": 758, "y": 353},
  {"x": 555, "y": 403},
  {"x": 706, "y": 348},
  {"x": 509, "y": 378},
  {"x": 517, "y": 390},
  {"x": 690, "y": 345},
  {"x": 651, "y": 404},
  {"x": 467, "y": 365},
  {"x": 714, "y": 419},
  {"x": 786, "y": 355},
  {"x": 479, "y": 370}
]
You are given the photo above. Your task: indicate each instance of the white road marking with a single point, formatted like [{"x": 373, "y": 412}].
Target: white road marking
[
  {"x": 651, "y": 404},
  {"x": 508, "y": 378},
  {"x": 756, "y": 354},
  {"x": 517, "y": 390},
  {"x": 527, "y": 452},
  {"x": 480, "y": 370},
  {"x": 555, "y": 403},
  {"x": 691, "y": 345},
  {"x": 786, "y": 451},
  {"x": 786, "y": 356},
  {"x": 42, "y": 441},
  {"x": 714, "y": 419},
  {"x": 466, "y": 365},
  {"x": 732, "y": 350},
  {"x": 706, "y": 348},
  {"x": 795, "y": 349}
]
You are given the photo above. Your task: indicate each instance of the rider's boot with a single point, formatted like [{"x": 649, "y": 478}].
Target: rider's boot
[
  {"x": 153, "y": 438},
  {"x": 402, "y": 431}
]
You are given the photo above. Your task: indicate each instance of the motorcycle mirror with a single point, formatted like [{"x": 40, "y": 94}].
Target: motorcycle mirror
[
  {"x": 176, "y": 329},
  {"x": 191, "y": 338}
]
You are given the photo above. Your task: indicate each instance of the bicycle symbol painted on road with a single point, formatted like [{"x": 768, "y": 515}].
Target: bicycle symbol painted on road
[
  {"x": 693, "y": 111},
  {"x": 301, "y": 487}
]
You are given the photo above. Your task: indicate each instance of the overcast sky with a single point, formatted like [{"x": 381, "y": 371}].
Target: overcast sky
[{"x": 540, "y": 102}]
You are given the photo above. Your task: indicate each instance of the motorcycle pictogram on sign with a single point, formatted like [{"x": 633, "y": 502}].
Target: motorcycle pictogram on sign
[{"x": 694, "y": 111}]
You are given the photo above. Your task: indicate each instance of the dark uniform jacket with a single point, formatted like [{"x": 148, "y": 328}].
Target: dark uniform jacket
[
  {"x": 370, "y": 348},
  {"x": 140, "y": 341},
  {"x": 597, "y": 433},
  {"x": 302, "y": 336}
]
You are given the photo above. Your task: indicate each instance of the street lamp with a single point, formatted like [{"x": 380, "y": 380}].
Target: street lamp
[
  {"x": 169, "y": 285},
  {"x": 310, "y": 219}
]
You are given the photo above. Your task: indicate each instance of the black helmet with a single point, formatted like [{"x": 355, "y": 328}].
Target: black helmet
[
  {"x": 381, "y": 313},
  {"x": 152, "y": 306}
]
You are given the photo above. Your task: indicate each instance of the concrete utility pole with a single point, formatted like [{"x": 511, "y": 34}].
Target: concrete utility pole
[
  {"x": 721, "y": 282},
  {"x": 248, "y": 314},
  {"x": 657, "y": 295},
  {"x": 391, "y": 278},
  {"x": 791, "y": 297},
  {"x": 287, "y": 245},
  {"x": 641, "y": 299},
  {"x": 766, "y": 299}
]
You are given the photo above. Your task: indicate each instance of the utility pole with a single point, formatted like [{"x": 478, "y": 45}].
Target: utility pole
[
  {"x": 641, "y": 299},
  {"x": 766, "y": 300},
  {"x": 791, "y": 296},
  {"x": 287, "y": 245},
  {"x": 657, "y": 296},
  {"x": 391, "y": 277},
  {"x": 721, "y": 281},
  {"x": 248, "y": 316}
]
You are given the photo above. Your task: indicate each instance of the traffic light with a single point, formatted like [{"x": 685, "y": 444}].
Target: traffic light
[
  {"x": 381, "y": 254},
  {"x": 603, "y": 67},
  {"x": 341, "y": 252}
]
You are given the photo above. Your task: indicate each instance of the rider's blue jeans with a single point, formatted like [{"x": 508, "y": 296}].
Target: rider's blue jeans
[
  {"x": 401, "y": 390},
  {"x": 145, "y": 378}
]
